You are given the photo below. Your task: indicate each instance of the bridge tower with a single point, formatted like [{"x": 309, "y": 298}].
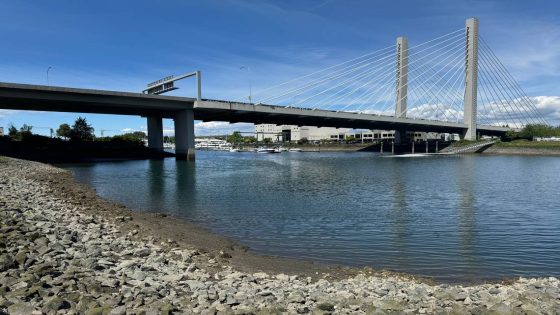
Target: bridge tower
[
  {"x": 402, "y": 83},
  {"x": 471, "y": 75}
]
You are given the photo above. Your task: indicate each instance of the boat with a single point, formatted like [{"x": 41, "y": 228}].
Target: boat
[
  {"x": 295, "y": 150},
  {"x": 234, "y": 150},
  {"x": 212, "y": 144},
  {"x": 266, "y": 150}
]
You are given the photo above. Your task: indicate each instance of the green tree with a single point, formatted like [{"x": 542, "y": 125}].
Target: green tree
[
  {"x": 250, "y": 139},
  {"x": 303, "y": 141},
  {"x": 538, "y": 130},
  {"x": 235, "y": 137},
  {"x": 64, "y": 131},
  {"x": 12, "y": 131},
  {"x": 81, "y": 131},
  {"x": 267, "y": 140},
  {"x": 25, "y": 131},
  {"x": 139, "y": 134}
]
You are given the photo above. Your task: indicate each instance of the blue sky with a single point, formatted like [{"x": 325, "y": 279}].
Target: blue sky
[{"x": 122, "y": 45}]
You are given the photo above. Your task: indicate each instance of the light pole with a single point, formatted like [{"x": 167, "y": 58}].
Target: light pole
[
  {"x": 250, "y": 88},
  {"x": 48, "y": 69}
]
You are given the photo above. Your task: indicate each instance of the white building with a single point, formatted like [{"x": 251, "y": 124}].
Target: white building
[{"x": 294, "y": 133}]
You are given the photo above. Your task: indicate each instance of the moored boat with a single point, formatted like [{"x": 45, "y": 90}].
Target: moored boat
[{"x": 266, "y": 150}]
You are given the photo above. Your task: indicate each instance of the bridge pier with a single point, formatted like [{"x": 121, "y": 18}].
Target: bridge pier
[
  {"x": 400, "y": 136},
  {"x": 155, "y": 133},
  {"x": 184, "y": 134}
]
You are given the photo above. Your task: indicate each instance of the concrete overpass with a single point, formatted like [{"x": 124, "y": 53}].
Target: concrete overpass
[{"x": 185, "y": 110}]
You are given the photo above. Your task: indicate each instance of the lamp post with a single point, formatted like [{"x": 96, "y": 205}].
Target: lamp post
[
  {"x": 48, "y": 69},
  {"x": 250, "y": 87}
]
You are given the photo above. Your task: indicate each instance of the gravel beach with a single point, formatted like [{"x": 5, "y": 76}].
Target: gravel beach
[{"x": 63, "y": 250}]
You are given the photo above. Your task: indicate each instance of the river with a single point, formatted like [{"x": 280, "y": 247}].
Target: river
[{"x": 453, "y": 218}]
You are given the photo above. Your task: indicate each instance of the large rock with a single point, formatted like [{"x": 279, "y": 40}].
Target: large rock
[
  {"x": 6, "y": 262},
  {"x": 21, "y": 309}
]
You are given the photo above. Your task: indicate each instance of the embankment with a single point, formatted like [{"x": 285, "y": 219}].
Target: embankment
[
  {"x": 521, "y": 150},
  {"x": 64, "y": 250}
]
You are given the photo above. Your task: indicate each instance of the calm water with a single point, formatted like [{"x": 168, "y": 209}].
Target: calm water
[{"x": 453, "y": 218}]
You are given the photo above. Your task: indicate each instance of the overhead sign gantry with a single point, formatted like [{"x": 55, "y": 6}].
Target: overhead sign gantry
[{"x": 168, "y": 84}]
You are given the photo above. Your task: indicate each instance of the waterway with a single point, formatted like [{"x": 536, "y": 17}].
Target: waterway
[{"x": 453, "y": 218}]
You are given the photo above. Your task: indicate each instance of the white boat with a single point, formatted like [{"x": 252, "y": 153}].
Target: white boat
[
  {"x": 266, "y": 150},
  {"x": 212, "y": 144},
  {"x": 234, "y": 150},
  {"x": 296, "y": 150}
]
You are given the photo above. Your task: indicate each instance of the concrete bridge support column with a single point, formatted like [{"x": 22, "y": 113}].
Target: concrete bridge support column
[
  {"x": 400, "y": 136},
  {"x": 471, "y": 75},
  {"x": 184, "y": 134},
  {"x": 155, "y": 133},
  {"x": 402, "y": 85}
]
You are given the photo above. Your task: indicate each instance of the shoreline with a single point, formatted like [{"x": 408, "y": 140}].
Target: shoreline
[{"x": 205, "y": 271}]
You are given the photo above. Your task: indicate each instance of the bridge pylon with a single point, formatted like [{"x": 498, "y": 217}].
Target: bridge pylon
[
  {"x": 471, "y": 76},
  {"x": 402, "y": 83}
]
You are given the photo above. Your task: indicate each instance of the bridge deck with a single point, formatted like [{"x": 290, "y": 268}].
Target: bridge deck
[{"x": 62, "y": 99}]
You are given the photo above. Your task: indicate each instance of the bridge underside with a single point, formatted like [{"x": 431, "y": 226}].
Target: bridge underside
[
  {"x": 266, "y": 114},
  {"x": 61, "y": 99},
  {"x": 185, "y": 110}
]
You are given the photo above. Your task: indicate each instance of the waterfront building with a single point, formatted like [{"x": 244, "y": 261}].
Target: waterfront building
[{"x": 292, "y": 133}]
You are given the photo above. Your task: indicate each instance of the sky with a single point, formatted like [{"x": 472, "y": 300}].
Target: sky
[{"x": 242, "y": 45}]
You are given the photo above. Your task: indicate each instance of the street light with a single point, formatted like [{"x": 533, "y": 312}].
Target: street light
[
  {"x": 249, "y": 74},
  {"x": 48, "y": 69}
]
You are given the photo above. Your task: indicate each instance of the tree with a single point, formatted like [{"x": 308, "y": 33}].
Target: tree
[
  {"x": 139, "y": 134},
  {"x": 64, "y": 131},
  {"x": 235, "y": 137},
  {"x": 12, "y": 131},
  {"x": 25, "y": 131},
  {"x": 250, "y": 139},
  {"x": 81, "y": 131},
  {"x": 302, "y": 141},
  {"x": 267, "y": 140}
]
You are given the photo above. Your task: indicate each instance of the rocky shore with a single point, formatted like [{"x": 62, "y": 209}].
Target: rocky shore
[{"x": 61, "y": 254}]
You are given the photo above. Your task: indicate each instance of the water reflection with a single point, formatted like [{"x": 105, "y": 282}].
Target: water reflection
[
  {"x": 399, "y": 213},
  {"x": 156, "y": 179},
  {"x": 467, "y": 213},
  {"x": 185, "y": 186}
]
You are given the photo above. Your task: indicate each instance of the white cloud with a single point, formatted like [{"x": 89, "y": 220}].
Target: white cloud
[
  {"x": 6, "y": 112},
  {"x": 549, "y": 106},
  {"x": 220, "y": 127}
]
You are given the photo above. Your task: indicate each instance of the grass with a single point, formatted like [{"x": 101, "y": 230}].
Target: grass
[{"x": 529, "y": 144}]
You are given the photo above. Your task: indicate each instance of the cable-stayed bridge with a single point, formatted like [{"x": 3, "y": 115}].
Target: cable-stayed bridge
[
  {"x": 455, "y": 77},
  {"x": 453, "y": 83}
]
